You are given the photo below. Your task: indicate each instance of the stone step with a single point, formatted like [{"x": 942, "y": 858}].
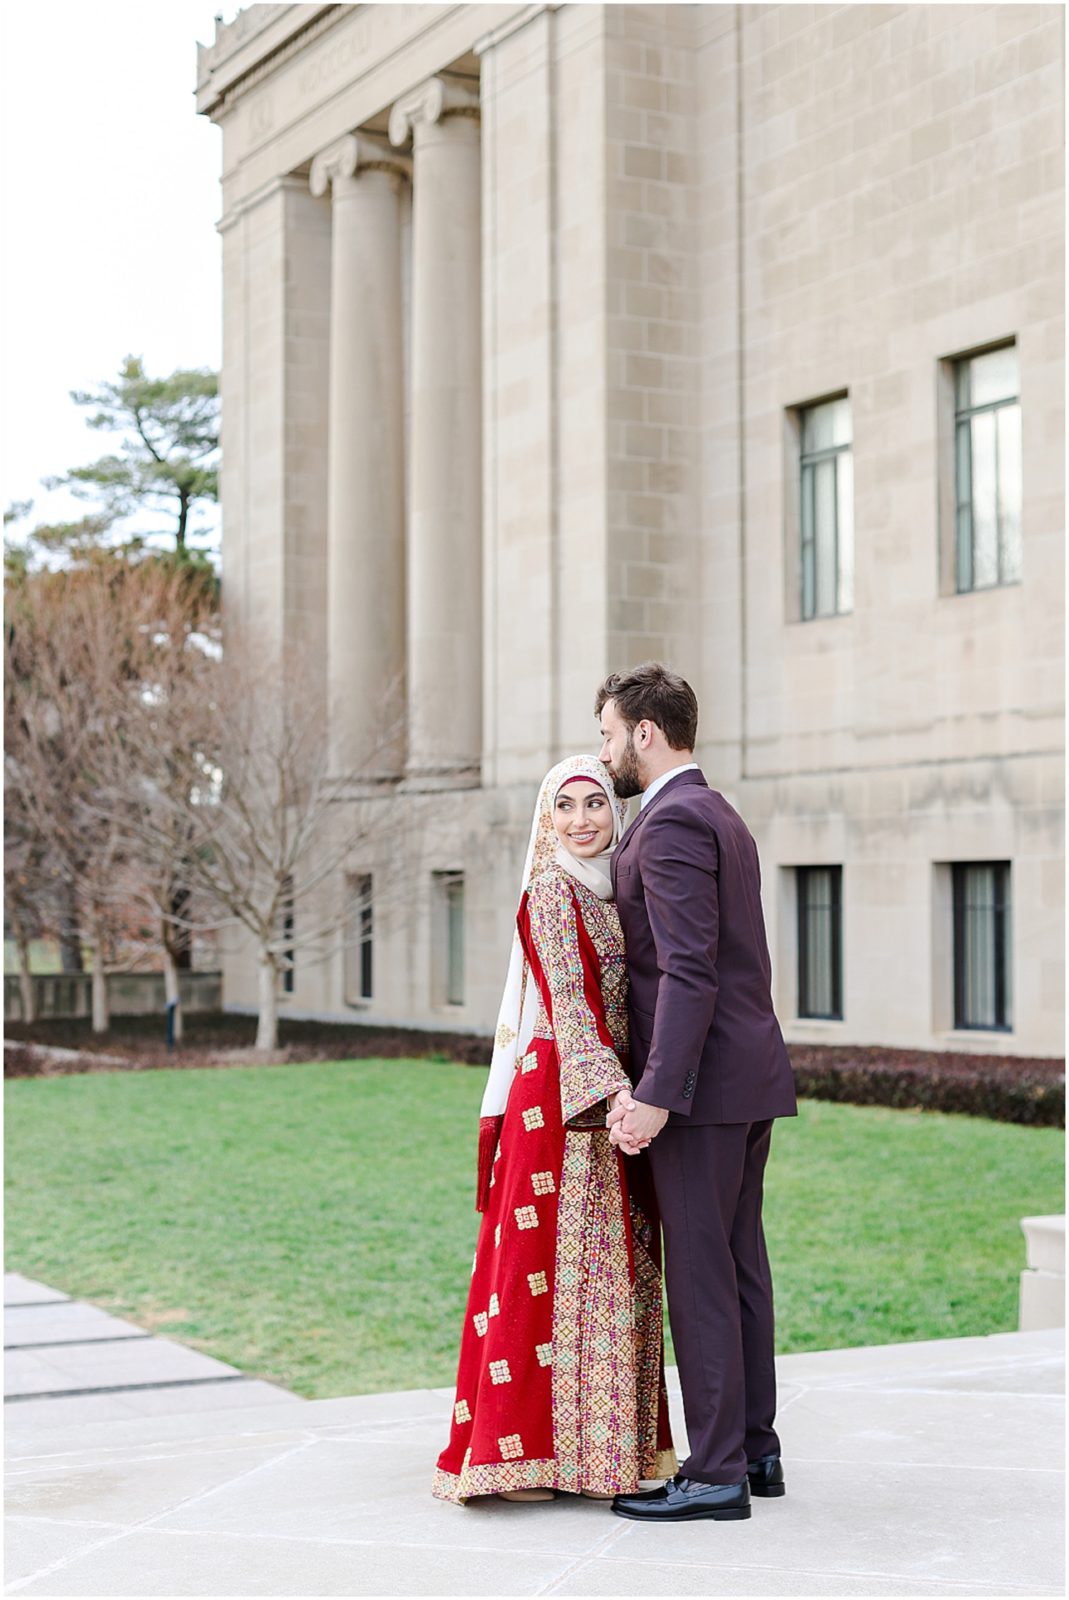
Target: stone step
[
  {"x": 33, "y": 1325},
  {"x": 25, "y": 1291}
]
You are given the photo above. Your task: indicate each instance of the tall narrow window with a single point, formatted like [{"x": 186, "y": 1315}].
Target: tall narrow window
[
  {"x": 982, "y": 945},
  {"x": 448, "y": 975},
  {"x": 359, "y": 943},
  {"x": 987, "y": 470},
  {"x": 287, "y": 962},
  {"x": 820, "y": 945},
  {"x": 826, "y": 505}
]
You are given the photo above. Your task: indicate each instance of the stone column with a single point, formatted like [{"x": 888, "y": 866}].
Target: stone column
[
  {"x": 365, "y": 472},
  {"x": 445, "y": 467}
]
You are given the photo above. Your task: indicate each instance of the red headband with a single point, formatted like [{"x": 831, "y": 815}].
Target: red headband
[{"x": 580, "y": 777}]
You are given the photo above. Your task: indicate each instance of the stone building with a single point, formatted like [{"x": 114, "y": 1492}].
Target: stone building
[{"x": 559, "y": 337}]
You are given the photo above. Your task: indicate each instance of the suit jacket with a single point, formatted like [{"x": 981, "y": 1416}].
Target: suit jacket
[{"x": 705, "y": 1043}]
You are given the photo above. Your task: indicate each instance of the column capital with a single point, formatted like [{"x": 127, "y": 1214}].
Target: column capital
[
  {"x": 431, "y": 102},
  {"x": 349, "y": 156}
]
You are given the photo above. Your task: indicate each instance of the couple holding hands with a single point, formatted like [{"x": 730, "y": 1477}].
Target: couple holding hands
[{"x": 636, "y": 1071}]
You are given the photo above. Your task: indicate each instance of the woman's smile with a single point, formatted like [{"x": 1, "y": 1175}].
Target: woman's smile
[{"x": 582, "y": 817}]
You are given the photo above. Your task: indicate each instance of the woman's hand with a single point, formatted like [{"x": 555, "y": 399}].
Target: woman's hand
[{"x": 631, "y": 1124}]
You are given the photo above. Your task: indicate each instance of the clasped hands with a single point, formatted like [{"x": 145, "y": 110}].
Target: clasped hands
[{"x": 632, "y": 1124}]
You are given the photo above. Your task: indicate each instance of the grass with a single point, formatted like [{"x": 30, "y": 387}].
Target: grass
[{"x": 314, "y": 1225}]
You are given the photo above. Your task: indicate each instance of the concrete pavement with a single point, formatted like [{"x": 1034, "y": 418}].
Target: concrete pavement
[{"x": 921, "y": 1469}]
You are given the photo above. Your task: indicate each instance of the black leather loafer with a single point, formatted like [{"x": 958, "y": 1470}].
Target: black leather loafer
[
  {"x": 686, "y": 1500},
  {"x": 766, "y": 1477}
]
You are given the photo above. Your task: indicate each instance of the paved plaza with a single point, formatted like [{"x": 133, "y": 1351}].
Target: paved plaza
[{"x": 138, "y": 1467}]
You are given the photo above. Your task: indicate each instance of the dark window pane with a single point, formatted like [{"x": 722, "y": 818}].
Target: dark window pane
[
  {"x": 819, "y": 941},
  {"x": 982, "y": 955},
  {"x": 455, "y": 938}
]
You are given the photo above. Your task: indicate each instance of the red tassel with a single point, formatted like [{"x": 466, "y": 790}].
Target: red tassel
[{"x": 489, "y": 1132}]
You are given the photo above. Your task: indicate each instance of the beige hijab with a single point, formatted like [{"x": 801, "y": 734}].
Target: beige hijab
[{"x": 519, "y": 1002}]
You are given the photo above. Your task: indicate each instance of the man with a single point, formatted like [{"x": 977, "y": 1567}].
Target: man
[{"x": 710, "y": 1072}]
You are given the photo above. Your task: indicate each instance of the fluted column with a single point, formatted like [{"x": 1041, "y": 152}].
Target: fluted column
[
  {"x": 365, "y": 473},
  {"x": 445, "y": 468}
]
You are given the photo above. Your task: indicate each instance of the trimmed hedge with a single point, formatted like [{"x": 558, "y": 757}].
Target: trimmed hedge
[
  {"x": 1020, "y": 1089},
  {"x": 1026, "y": 1089}
]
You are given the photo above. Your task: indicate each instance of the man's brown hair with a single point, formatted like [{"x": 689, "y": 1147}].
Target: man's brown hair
[{"x": 653, "y": 693}]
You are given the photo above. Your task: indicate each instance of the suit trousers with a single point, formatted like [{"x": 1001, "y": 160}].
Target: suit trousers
[{"x": 709, "y": 1182}]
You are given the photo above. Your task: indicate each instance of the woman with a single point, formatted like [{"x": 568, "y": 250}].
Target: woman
[{"x": 561, "y": 1377}]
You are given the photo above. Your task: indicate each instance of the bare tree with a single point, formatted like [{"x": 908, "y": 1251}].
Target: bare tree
[
  {"x": 86, "y": 649},
  {"x": 59, "y": 650},
  {"x": 236, "y": 765}
]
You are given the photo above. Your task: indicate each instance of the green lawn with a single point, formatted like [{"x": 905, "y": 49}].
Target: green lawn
[{"x": 314, "y": 1225}]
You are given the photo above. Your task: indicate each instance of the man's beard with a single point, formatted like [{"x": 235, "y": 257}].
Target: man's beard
[{"x": 625, "y": 778}]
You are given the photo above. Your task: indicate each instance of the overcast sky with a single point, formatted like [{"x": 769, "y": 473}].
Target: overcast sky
[{"x": 111, "y": 200}]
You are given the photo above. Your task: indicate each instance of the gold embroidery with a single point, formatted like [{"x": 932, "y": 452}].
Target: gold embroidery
[
  {"x": 589, "y": 1068},
  {"x": 538, "y": 1283},
  {"x": 543, "y": 1183},
  {"x": 510, "y": 1446},
  {"x": 595, "y": 1433},
  {"x": 462, "y": 1411},
  {"x": 544, "y": 1352},
  {"x": 492, "y": 1477},
  {"x": 526, "y": 1217},
  {"x": 533, "y": 1118}
]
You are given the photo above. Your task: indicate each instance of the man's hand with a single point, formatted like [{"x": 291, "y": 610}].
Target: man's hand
[{"x": 632, "y": 1124}]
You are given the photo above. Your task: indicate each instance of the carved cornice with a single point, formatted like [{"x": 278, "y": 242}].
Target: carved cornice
[
  {"x": 349, "y": 155},
  {"x": 224, "y": 76},
  {"x": 430, "y": 102}
]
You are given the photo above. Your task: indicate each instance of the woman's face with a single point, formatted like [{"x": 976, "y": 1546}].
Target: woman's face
[{"x": 582, "y": 817}]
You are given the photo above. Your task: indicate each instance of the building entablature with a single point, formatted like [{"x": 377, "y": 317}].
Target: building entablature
[{"x": 284, "y": 82}]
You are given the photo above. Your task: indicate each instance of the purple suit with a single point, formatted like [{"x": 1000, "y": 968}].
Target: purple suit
[{"x": 706, "y": 1047}]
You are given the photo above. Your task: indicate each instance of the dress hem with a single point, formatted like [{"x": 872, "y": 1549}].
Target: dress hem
[{"x": 497, "y": 1477}]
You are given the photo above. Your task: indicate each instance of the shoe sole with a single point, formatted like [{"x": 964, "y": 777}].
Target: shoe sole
[
  {"x": 730, "y": 1514},
  {"x": 772, "y": 1491}
]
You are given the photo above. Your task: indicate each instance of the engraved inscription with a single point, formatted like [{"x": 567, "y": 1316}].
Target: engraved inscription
[{"x": 339, "y": 55}]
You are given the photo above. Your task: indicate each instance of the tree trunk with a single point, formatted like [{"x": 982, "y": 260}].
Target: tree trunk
[
  {"x": 26, "y": 989},
  {"x": 171, "y": 988},
  {"x": 101, "y": 1012},
  {"x": 267, "y": 1023}
]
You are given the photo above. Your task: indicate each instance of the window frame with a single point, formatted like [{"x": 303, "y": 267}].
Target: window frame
[
  {"x": 801, "y": 508},
  {"x": 953, "y": 420},
  {"x": 359, "y": 952},
  {"x": 802, "y": 880},
  {"x": 449, "y": 956},
  {"x": 1002, "y": 940}
]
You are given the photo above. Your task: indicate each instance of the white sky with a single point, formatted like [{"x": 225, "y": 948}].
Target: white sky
[{"x": 111, "y": 195}]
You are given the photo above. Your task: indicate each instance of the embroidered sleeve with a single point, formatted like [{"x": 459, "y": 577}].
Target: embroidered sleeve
[{"x": 590, "y": 1069}]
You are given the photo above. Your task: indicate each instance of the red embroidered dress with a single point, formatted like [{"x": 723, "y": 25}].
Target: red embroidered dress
[{"x": 561, "y": 1377}]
